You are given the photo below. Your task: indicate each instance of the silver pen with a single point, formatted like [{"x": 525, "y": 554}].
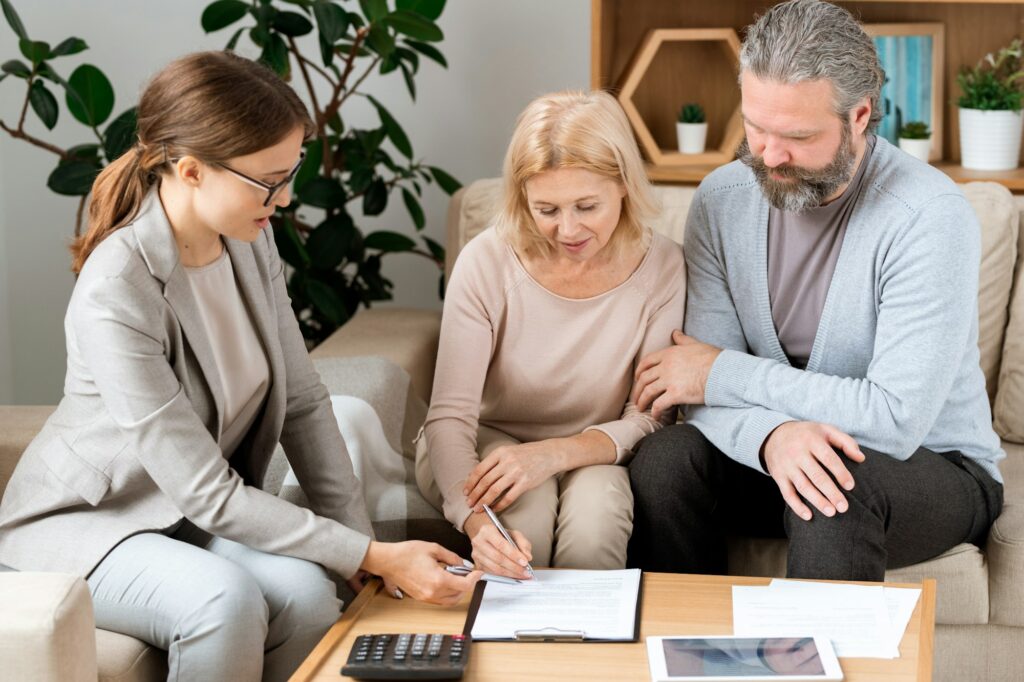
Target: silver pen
[
  {"x": 490, "y": 577},
  {"x": 501, "y": 529}
]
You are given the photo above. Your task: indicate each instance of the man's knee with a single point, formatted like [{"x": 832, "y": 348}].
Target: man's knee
[{"x": 675, "y": 456}]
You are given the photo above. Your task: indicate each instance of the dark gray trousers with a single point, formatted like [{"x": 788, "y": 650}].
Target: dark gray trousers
[{"x": 688, "y": 496}]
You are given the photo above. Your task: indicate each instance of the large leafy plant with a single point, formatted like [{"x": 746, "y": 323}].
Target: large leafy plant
[
  {"x": 994, "y": 84},
  {"x": 335, "y": 267}
]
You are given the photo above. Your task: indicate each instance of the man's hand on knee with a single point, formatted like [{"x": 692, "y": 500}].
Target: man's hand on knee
[{"x": 800, "y": 456}]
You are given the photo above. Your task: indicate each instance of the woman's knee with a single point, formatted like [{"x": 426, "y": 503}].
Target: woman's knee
[
  {"x": 310, "y": 598},
  {"x": 230, "y": 601},
  {"x": 595, "y": 518}
]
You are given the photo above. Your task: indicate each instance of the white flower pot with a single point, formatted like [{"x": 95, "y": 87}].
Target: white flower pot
[
  {"x": 919, "y": 149},
  {"x": 990, "y": 140},
  {"x": 691, "y": 137}
]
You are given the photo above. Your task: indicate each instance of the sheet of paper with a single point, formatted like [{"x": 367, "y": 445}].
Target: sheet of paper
[
  {"x": 854, "y": 617},
  {"x": 899, "y": 601},
  {"x": 601, "y": 604}
]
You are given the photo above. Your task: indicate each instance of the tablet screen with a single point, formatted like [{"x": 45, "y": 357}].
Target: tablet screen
[{"x": 742, "y": 657}]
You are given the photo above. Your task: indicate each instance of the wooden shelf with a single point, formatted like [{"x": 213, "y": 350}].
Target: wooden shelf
[
  {"x": 619, "y": 27},
  {"x": 692, "y": 175}
]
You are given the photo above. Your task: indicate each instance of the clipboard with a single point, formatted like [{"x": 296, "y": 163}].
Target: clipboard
[{"x": 548, "y": 634}]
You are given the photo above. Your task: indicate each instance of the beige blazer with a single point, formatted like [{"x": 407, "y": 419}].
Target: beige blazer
[{"x": 132, "y": 446}]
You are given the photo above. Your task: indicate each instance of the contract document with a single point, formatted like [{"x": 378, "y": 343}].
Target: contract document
[{"x": 558, "y": 606}]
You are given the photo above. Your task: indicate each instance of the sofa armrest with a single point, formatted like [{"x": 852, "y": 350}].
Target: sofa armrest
[
  {"x": 1005, "y": 551},
  {"x": 405, "y": 336},
  {"x": 47, "y": 630}
]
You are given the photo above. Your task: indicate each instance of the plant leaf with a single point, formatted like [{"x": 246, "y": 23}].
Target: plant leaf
[
  {"x": 13, "y": 20},
  {"x": 43, "y": 103},
  {"x": 331, "y": 21},
  {"x": 234, "y": 39},
  {"x": 410, "y": 83},
  {"x": 69, "y": 47},
  {"x": 415, "y": 210},
  {"x": 322, "y": 193},
  {"x": 391, "y": 127},
  {"x": 330, "y": 242},
  {"x": 275, "y": 55},
  {"x": 16, "y": 67},
  {"x": 292, "y": 24},
  {"x": 414, "y": 25},
  {"x": 34, "y": 50},
  {"x": 374, "y": 9},
  {"x": 386, "y": 241},
  {"x": 120, "y": 134},
  {"x": 449, "y": 184},
  {"x": 376, "y": 198},
  {"x": 90, "y": 97},
  {"x": 380, "y": 40},
  {"x": 431, "y": 9},
  {"x": 311, "y": 164},
  {"x": 326, "y": 301},
  {"x": 436, "y": 250},
  {"x": 222, "y": 13},
  {"x": 289, "y": 245},
  {"x": 428, "y": 51},
  {"x": 73, "y": 178}
]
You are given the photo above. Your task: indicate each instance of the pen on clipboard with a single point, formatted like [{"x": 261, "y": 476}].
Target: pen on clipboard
[{"x": 501, "y": 529}]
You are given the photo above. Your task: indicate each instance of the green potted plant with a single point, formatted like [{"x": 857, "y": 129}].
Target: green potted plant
[
  {"x": 990, "y": 110},
  {"x": 916, "y": 140},
  {"x": 334, "y": 265},
  {"x": 691, "y": 129}
]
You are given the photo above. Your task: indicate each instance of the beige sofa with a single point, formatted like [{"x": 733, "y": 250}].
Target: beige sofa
[{"x": 979, "y": 624}]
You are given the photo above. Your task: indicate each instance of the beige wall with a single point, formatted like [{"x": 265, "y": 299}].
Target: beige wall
[{"x": 500, "y": 54}]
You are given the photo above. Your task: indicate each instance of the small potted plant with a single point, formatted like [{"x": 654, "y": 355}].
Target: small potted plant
[
  {"x": 916, "y": 140},
  {"x": 692, "y": 129},
  {"x": 990, "y": 110}
]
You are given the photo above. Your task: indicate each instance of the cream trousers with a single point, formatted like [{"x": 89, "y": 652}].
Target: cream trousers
[{"x": 577, "y": 519}]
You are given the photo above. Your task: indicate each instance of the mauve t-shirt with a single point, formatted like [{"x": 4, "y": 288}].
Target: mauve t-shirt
[{"x": 802, "y": 252}]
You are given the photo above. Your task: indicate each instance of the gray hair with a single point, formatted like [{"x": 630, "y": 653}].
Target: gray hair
[{"x": 807, "y": 40}]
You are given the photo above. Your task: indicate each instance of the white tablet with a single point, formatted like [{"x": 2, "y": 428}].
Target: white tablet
[{"x": 725, "y": 658}]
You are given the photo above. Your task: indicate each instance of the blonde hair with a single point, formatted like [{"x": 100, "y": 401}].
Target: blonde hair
[
  {"x": 210, "y": 105},
  {"x": 574, "y": 129}
]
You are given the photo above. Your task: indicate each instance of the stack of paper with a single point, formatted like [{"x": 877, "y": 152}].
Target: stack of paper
[{"x": 862, "y": 621}]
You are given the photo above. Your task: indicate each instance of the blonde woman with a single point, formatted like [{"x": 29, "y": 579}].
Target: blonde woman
[
  {"x": 185, "y": 369},
  {"x": 545, "y": 318}
]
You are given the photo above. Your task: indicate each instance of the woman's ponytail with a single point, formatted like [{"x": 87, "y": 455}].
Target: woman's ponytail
[{"x": 117, "y": 195}]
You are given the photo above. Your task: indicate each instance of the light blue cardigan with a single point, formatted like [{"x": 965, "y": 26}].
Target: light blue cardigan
[{"x": 895, "y": 362}]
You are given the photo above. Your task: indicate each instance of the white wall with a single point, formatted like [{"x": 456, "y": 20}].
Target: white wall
[{"x": 500, "y": 54}]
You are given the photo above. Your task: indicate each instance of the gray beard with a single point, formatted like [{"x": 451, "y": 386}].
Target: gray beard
[{"x": 809, "y": 187}]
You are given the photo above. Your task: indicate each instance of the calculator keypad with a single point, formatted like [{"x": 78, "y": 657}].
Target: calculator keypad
[{"x": 421, "y": 656}]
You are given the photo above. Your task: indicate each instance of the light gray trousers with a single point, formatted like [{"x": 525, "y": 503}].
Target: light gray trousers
[{"x": 222, "y": 611}]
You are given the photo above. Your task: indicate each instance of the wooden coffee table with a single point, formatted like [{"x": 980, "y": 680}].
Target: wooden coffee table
[{"x": 672, "y": 605}]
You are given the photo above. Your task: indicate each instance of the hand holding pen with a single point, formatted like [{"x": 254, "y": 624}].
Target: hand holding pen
[{"x": 497, "y": 550}]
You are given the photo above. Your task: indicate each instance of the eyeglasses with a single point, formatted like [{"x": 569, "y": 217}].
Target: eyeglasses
[{"x": 272, "y": 190}]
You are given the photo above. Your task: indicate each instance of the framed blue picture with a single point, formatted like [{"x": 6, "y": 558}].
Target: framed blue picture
[{"x": 913, "y": 58}]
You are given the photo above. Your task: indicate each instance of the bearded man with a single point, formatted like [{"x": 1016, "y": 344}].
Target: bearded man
[{"x": 830, "y": 357}]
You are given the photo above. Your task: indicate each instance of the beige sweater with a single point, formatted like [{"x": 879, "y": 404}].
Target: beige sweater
[{"x": 521, "y": 359}]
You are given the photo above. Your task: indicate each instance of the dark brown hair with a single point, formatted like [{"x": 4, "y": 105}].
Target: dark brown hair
[{"x": 210, "y": 105}]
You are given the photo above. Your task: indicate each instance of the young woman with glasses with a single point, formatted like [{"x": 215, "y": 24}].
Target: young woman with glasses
[{"x": 186, "y": 368}]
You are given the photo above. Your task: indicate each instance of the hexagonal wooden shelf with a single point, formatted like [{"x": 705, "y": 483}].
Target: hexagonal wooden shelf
[{"x": 732, "y": 135}]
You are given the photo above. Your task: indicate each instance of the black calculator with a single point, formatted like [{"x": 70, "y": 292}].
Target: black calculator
[{"x": 408, "y": 657}]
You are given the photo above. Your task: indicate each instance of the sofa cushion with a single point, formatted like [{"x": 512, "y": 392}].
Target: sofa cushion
[
  {"x": 379, "y": 416},
  {"x": 961, "y": 575},
  {"x": 1008, "y": 411},
  {"x": 46, "y": 628},
  {"x": 18, "y": 426},
  {"x": 998, "y": 216},
  {"x": 125, "y": 659}
]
